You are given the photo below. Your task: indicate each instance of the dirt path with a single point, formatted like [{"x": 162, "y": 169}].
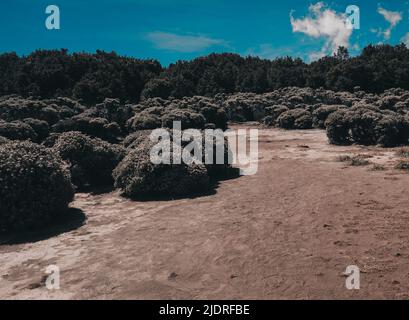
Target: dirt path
[{"x": 287, "y": 232}]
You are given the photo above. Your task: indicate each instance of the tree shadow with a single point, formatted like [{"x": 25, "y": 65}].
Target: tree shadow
[{"x": 73, "y": 219}]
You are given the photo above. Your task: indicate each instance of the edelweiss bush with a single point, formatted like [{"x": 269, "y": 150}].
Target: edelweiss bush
[
  {"x": 35, "y": 186},
  {"x": 137, "y": 176},
  {"x": 295, "y": 119},
  {"x": 17, "y": 130},
  {"x": 91, "y": 160}
]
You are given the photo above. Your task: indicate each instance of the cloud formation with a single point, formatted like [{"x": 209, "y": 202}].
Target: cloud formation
[
  {"x": 323, "y": 23},
  {"x": 393, "y": 18},
  {"x": 182, "y": 43}
]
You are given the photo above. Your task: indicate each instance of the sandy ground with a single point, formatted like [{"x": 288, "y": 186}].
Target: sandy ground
[{"x": 287, "y": 232}]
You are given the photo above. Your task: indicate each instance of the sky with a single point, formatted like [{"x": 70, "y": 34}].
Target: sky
[{"x": 170, "y": 30}]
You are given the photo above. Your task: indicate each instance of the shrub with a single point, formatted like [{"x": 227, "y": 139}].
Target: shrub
[
  {"x": 94, "y": 127},
  {"x": 17, "y": 130},
  {"x": 321, "y": 114},
  {"x": 157, "y": 88},
  {"x": 403, "y": 152},
  {"x": 337, "y": 126},
  {"x": 134, "y": 139},
  {"x": 189, "y": 119},
  {"x": 137, "y": 176},
  {"x": 205, "y": 106},
  {"x": 378, "y": 167},
  {"x": 49, "y": 114},
  {"x": 143, "y": 121},
  {"x": 367, "y": 126},
  {"x": 91, "y": 160},
  {"x": 402, "y": 165},
  {"x": 392, "y": 130},
  {"x": 49, "y": 142},
  {"x": 41, "y": 128},
  {"x": 4, "y": 140},
  {"x": 358, "y": 160},
  {"x": 363, "y": 126},
  {"x": 295, "y": 119},
  {"x": 35, "y": 187},
  {"x": 111, "y": 110},
  {"x": 273, "y": 113}
]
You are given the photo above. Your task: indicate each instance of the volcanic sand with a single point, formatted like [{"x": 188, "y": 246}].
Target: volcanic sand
[{"x": 287, "y": 232}]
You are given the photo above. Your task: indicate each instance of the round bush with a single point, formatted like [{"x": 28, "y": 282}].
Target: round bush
[
  {"x": 392, "y": 131},
  {"x": 137, "y": 176},
  {"x": 41, "y": 127},
  {"x": 17, "y": 130},
  {"x": 295, "y": 119},
  {"x": 321, "y": 114},
  {"x": 188, "y": 119},
  {"x": 95, "y": 127},
  {"x": 35, "y": 187},
  {"x": 134, "y": 139},
  {"x": 143, "y": 121},
  {"x": 91, "y": 160},
  {"x": 362, "y": 126},
  {"x": 4, "y": 140},
  {"x": 337, "y": 127}
]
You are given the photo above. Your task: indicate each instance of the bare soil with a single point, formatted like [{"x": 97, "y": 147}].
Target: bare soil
[{"x": 288, "y": 232}]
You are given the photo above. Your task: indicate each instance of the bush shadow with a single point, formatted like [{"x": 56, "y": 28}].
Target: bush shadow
[{"x": 73, "y": 219}]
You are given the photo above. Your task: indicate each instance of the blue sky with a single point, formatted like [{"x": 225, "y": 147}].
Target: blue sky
[{"x": 169, "y": 30}]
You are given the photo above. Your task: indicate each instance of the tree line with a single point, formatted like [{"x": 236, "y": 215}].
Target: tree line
[{"x": 93, "y": 77}]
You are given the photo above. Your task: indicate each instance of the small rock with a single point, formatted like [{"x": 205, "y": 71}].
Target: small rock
[{"x": 173, "y": 276}]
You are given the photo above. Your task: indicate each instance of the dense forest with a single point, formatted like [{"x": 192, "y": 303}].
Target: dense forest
[{"x": 93, "y": 77}]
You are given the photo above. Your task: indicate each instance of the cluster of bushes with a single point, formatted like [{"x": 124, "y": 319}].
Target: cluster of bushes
[
  {"x": 195, "y": 112},
  {"x": 348, "y": 117},
  {"x": 68, "y": 145},
  {"x": 110, "y": 120},
  {"x": 137, "y": 176},
  {"x": 39, "y": 180},
  {"x": 367, "y": 126}
]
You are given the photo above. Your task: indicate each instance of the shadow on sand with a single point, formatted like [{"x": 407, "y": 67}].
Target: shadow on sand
[{"x": 73, "y": 219}]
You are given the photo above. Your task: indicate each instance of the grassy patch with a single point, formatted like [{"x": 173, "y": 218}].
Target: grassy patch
[
  {"x": 358, "y": 160},
  {"x": 403, "y": 152},
  {"x": 378, "y": 167},
  {"x": 402, "y": 165}
]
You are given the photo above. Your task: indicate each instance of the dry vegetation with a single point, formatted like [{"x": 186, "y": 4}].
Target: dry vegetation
[
  {"x": 95, "y": 141},
  {"x": 53, "y": 148}
]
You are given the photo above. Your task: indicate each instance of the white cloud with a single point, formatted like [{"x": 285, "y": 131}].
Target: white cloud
[
  {"x": 323, "y": 23},
  {"x": 393, "y": 18},
  {"x": 182, "y": 43}
]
